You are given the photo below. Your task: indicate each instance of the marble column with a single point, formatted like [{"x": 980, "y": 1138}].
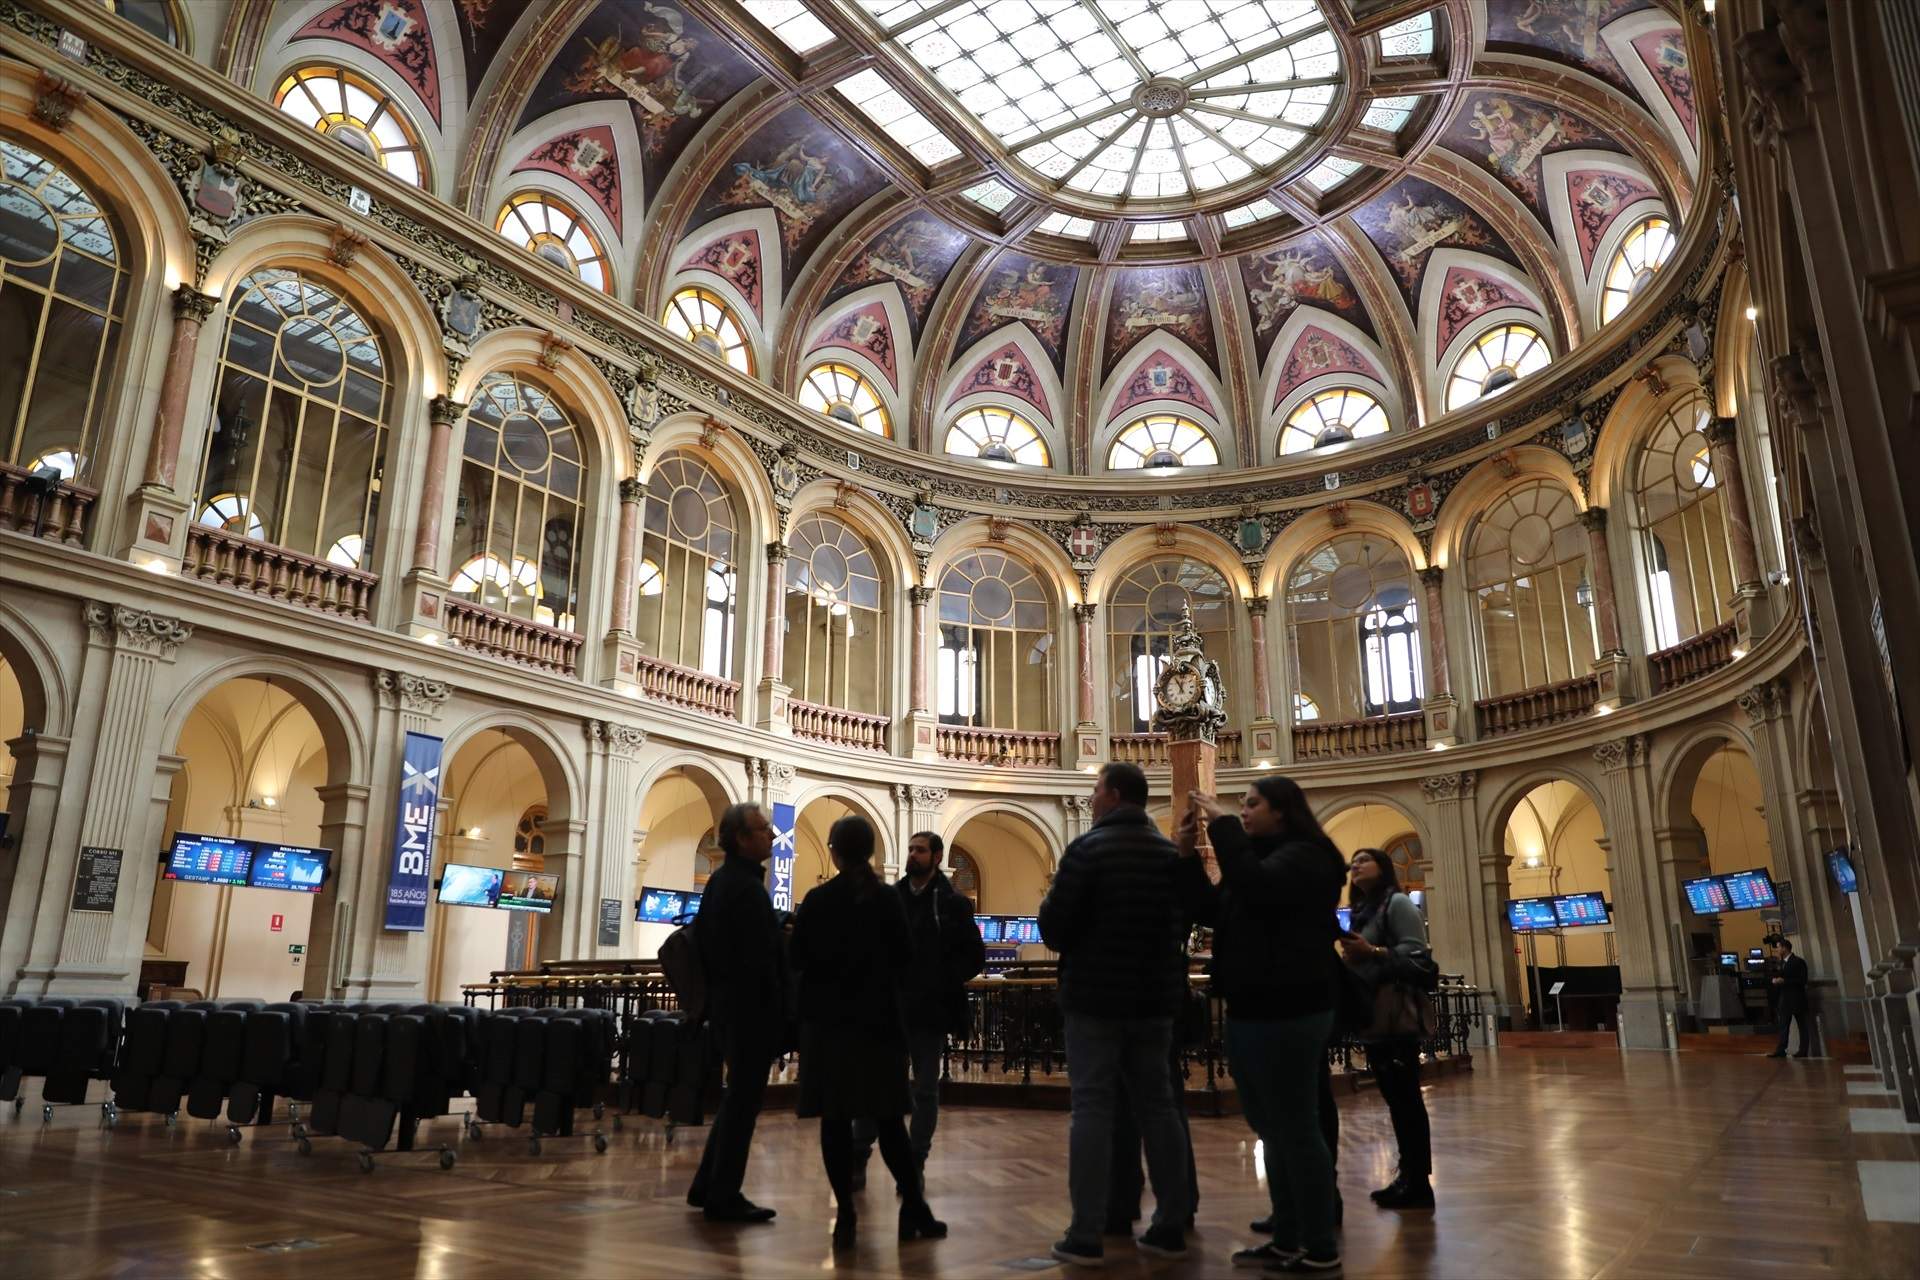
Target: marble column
[
  {"x": 1723, "y": 444},
  {"x": 1257, "y": 627},
  {"x": 1606, "y": 612},
  {"x": 770, "y": 707},
  {"x": 626, "y": 554},
  {"x": 921, "y": 740},
  {"x": 190, "y": 311},
  {"x": 444, "y": 414},
  {"x": 1433, "y": 624},
  {"x": 1083, "y": 616},
  {"x": 1642, "y": 916}
]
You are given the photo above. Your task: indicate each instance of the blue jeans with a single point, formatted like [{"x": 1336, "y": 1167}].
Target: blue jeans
[
  {"x": 926, "y": 1046},
  {"x": 1102, "y": 1052},
  {"x": 1276, "y": 1068}
]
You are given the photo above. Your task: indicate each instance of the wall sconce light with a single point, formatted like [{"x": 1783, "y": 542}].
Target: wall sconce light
[
  {"x": 1583, "y": 592},
  {"x": 1436, "y": 746},
  {"x": 263, "y": 802},
  {"x": 1739, "y": 654},
  {"x": 470, "y": 833},
  {"x": 1603, "y": 708},
  {"x": 1753, "y": 312}
]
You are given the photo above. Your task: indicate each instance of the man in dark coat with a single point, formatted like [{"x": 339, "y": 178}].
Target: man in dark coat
[
  {"x": 1790, "y": 986},
  {"x": 947, "y": 951},
  {"x": 739, "y": 940},
  {"x": 1112, "y": 916}
]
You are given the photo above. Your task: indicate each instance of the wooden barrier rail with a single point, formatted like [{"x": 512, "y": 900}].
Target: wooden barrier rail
[
  {"x": 520, "y": 640},
  {"x": 837, "y": 725},
  {"x": 262, "y": 569},
  {"x": 1538, "y": 707}
]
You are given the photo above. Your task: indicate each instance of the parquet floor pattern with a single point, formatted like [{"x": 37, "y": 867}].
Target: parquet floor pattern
[{"x": 1584, "y": 1163}]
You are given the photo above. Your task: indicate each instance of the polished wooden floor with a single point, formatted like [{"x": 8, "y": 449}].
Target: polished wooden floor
[{"x": 1550, "y": 1164}]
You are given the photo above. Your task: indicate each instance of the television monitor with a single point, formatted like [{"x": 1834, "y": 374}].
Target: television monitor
[
  {"x": 1346, "y": 919},
  {"x": 1526, "y": 914},
  {"x": 528, "y": 891},
  {"x": 209, "y": 860},
  {"x": 1577, "y": 910},
  {"x": 1020, "y": 930},
  {"x": 989, "y": 928},
  {"x": 1838, "y": 863},
  {"x": 1730, "y": 960},
  {"x": 288, "y": 866},
  {"x": 465, "y": 886},
  {"x": 1707, "y": 896},
  {"x": 1750, "y": 890},
  {"x": 660, "y": 906},
  {"x": 1756, "y": 958}
]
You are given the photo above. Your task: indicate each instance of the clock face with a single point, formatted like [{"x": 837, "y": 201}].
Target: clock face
[{"x": 1180, "y": 687}]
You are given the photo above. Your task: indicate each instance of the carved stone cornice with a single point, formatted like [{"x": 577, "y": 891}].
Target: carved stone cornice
[
  {"x": 1621, "y": 753},
  {"x": 54, "y": 100},
  {"x": 1806, "y": 541},
  {"x": 1765, "y": 701},
  {"x": 622, "y": 740},
  {"x": 1442, "y": 787},
  {"x": 928, "y": 797},
  {"x": 1808, "y": 41},
  {"x": 404, "y": 691},
  {"x": 1776, "y": 94},
  {"x": 136, "y": 630},
  {"x": 191, "y": 304},
  {"x": 779, "y": 775},
  {"x": 1798, "y": 387}
]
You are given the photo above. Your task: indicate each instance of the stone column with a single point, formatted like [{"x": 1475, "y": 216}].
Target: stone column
[
  {"x": 1680, "y": 855},
  {"x": 1611, "y": 664},
  {"x": 622, "y": 649},
  {"x": 921, "y": 741},
  {"x": 157, "y": 524},
  {"x": 39, "y": 776},
  {"x": 614, "y": 811},
  {"x": 343, "y": 829},
  {"x": 425, "y": 586},
  {"x": 1262, "y": 739},
  {"x": 923, "y": 814},
  {"x": 566, "y": 857},
  {"x": 770, "y": 703},
  {"x": 1443, "y": 726},
  {"x": 1089, "y": 749},
  {"x": 1749, "y": 603},
  {"x": 1464, "y": 937},
  {"x": 1642, "y": 920},
  {"x": 1079, "y": 811}
]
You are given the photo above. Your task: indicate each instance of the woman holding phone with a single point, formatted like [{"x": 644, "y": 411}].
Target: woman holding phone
[{"x": 1273, "y": 962}]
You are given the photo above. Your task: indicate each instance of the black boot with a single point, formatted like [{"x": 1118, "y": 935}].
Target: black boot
[
  {"x": 1407, "y": 1193},
  {"x": 845, "y": 1228},
  {"x": 918, "y": 1223},
  {"x": 1390, "y": 1190}
]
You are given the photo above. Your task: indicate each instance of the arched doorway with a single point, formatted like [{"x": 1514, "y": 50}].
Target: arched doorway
[
  {"x": 1716, "y": 825},
  {"x": 1384, "y": 827},
  {"x": 1555, "y": 843},
  {"x": 1012, "y": 862},
  {"x": 812, "y": 863},
  {"x": 676, "y": 847},
  {"x": 13, "y": 718}
]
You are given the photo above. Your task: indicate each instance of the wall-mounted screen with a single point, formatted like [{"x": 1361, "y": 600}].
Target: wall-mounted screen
[
  {"x": 1532, "y": 913},
  {"x": 1840, "y": 865},
  {"x": 288, "y": 866},
  {"x": 465, "y": 886},
  {"x": 1730, "y": 960},
  {"x": 989, "y": 928},
  {"x": 665, "y": 906},
  {"x": 1577, "y": 910},
  {"x": 1707, "y": 896},
  {"x": 1020, "y": 930},
  {"x": 1750, "y": 890},
  {"x": 209, "y": 860},
  {"x": 528, "y": 891}
]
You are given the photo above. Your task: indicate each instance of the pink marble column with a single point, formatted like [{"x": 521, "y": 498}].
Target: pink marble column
[
  {"x": 1433, "y": 623},
  {"x": 444, "y": 414},
  {"x": 190, "y": 311},
  {"x": 1606, "y": 614},
  {"x": 1083, "y": 616},
  {"x": 1721, "y": 436},
  {"x": 773, "y": 648},
  {"x": 632, "y": 493},
  {"x": 1257, "y": 626},
  {"x": 917, "y": 665}
]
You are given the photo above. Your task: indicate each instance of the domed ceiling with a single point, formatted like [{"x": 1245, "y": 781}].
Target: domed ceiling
[{"x": 1085, "y": 212}]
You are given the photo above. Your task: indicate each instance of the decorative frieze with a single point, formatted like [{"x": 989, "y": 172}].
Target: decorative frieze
[
  {"x": 54, "y": 100},
  {"x": 136, "y": 630},
  {"x": 1765, "y": 701},
  {"x": 929, "y": 797}
]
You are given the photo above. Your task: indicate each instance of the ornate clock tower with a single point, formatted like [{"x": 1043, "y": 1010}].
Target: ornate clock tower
[{"x": 1191, "y": 707}]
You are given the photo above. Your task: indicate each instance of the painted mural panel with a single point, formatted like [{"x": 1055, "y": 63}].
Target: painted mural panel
[
  {"x": 1034, "y": 293},
  {"x": 736, "y": 259},
  {"x": 1467, "y": 294},
  {"x": 1303, "y": 272},
  {"x": 394, "y": 31},
  {"x": 670, "y": 68},
  {"x": 1148, "y": 299},
  {"x": 1162, "y": 378},
  {"x": 1564, "y": 31},
  {"x": 1314, "y": 352},
  {"x": 1411, "y": 219},
  {"x": 1665, "y": 53},
  {"x": 916, "y": 253},
  {"x": 585, "y": 158},
  {"x": 1007, "y": 371},
  {"x": 484, "y": 26},
  {"x": 803, "y": 172},
  {"x": 1511, "y": 136},
  {"x": 1598, "y": 196},
  {"x": 866, "y": 330}
]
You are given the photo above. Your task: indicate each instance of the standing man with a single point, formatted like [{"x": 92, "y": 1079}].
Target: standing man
[
  {"x": 1790, "y": 985},
  {"x": 947, "y": 951},
  {"x": 739, "y": 940},
  {"x": 1113, "y": 918}
]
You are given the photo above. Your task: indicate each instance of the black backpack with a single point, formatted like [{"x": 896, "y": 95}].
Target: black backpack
[{"x": 686, "y": 971}]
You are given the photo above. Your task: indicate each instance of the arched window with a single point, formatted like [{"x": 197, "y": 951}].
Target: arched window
[
  {"x": 699, "y": 316},
  {"x": 1353, "y": 629},
  {"x": 1641, "y": 255},
  {"x": 296, "y": 451},
  {"x": 1404, "y": 852},
  {"x": 993, "y": 434},
  {"x": 1162, "y": 440},
  {"x": 1497, "y": 359},
  {"x": 1526, "y": 560},
  {"x": 62, "y": 293},
  {"x": 552, "y": 231},
  {"x": 1143, "y": 610},
  {"x": 1684, "y": 521},
  {"x": 843, "y": 393},
  {"x": 517, "y": 529},
  {"x": 158, "y": 18},
  {"x": 995, "y": 664},
  {"x": 688, "y": 575},
  {"x": 1304, "y": 709},
  {"x": 1332, "y": 417},
  {"x": 834, "y": 652},
  {"x": 356, "y": 113},
  {"x": 963, "y": 872}
]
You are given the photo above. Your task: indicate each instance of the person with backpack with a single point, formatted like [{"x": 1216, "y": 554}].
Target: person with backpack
[
  {"x": 738, "y": 938},
  {"x": 1387, "y": 946},
  {"x": 947, "y": 952}
]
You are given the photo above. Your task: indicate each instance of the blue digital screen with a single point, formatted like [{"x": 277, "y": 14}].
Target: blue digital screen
[
  {"x": 989, "y": 928},
  {"x": 1531, "y": 913},
  {"x": 528, "y": 891},
  {"x": 665, "y": 906},
  {"x": 465, "y": 886},
  {"x": 209, "y": 860},
  {"x": 1020, "y": 929},
  {"x": 288, "y": 866},
  {"x": 1574, "y": 910},
  {"x": 1730, "y": 960},
  {"x": 1346, "y": 919},
  {"x": 1749, "y": 890},
  {"x": 1707, "y": 896},
  {"x": 1842, "y": 868}
]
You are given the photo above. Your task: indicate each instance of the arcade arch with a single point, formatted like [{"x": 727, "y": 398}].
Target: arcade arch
[
  {"x": 676, "y": 840},
  {"x": 1716, "y": 822},
  {"x": 1555, "y": 841},
  {"x": 1012, "y": 857}
]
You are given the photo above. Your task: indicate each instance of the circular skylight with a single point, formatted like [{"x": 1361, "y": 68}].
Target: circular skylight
[{"x": 1131, "y": 100}]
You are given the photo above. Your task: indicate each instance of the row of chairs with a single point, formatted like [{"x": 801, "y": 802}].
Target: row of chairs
[
  {"x": 673, "y": 1069},
  {"x": 67, "y": 1042},
  {"x": 552, "y": 1062}
]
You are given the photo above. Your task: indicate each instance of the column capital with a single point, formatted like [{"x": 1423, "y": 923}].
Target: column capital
[
  {"x": 1449, "y": 786},
  {"x": 191, "y": 304},
  {"x": 1765, "y": 701},
  {"x": 445, "y": 411},
  {"x": 1257, "y": 606},
  {"x": 632, "y": 490},
  {"x": 920, "y": 595},
  {"x": 1595, "y": 518},
  {"x": 928, "y": 797},
  {"x": 136, "y": 630},
  {"x": 1622, "y": 753},
  {"x": 1086, "y": 610},
  {"x": 777, "y": 552},
  {"x": 1721, "y": 431},
  {"x": 1433, "y": 575},
  {"x": 405, "y": 691},
  {"x": 622, "y": 740}
]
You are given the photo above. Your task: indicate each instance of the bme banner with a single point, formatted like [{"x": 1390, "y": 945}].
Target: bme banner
[
  {"x": 408, "y": 879},
  {"x": 781, "y": 885}
]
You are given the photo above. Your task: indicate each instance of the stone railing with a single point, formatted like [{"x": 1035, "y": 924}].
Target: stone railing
[
  {"x": 247, "y": 564},
  {"x": 666, "y": 681},
  {"x": 1149, "y": 750},
  {"x": 1702, "y": 655},
  {"x": 59, "y": 515},
  {"x": 485, "y": 630},
  {"x": 1006, "y": 748},
  {"x": 1537, "y": 707},
  {"x": 1375, "y": 735},
  {"x": 838, "y": 726}
]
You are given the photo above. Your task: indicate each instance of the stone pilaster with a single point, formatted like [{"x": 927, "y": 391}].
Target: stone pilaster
[
  {"x": 158, "y": 512},
  {"x": 1467, "y": 918},
  {"x": 613, "y": 807},
  {"x": 1643, "y": 926}
]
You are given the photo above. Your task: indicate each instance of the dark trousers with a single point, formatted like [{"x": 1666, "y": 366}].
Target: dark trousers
[
  {"x": 1790, "y": 1012},
  {"x": 1123, "y": 1192},
  {"x": 723, "y": 1165},
  {"x": 1276, "y": 1067},
  {"x": 925, "y": 1048},
  {"x": 1101, "y": 1053},
  {"x": 837, "y": 1144},
  {"x": 1329, "y": 1126},
  {"x": 1396, "y": 1069}
]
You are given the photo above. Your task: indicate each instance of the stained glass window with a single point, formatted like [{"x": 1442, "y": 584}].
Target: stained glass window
[
  {"x": 1497, "y": 359},
  {"x": 1333, "y": 416},
  {"x": 898, "y": 119},
  {"x": 1162, "y": 440},
  {"x": 553, "y": 232},
  {"x": 358, "y": 114}
]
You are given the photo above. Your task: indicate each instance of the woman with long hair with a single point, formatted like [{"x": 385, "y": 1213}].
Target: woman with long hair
[
  {"x": 1385, "y": 930},
  {"x": 851, "y": 946},
  {"x": 1273, "y": 962}
]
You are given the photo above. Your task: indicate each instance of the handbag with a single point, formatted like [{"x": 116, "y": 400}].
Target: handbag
[{"x": 1400, "y": 1007}]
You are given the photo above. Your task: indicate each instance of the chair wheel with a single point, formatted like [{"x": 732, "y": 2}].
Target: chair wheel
[
  {"x": 306, "y": 1147},
  {"x": 617, "y": 1126},
  {"x": 17, "y": 1104},
  {"x": 366, "y": 1162},
  {"x": 599, "y": 1109},
  {"x": 299, "y": 1131},
  {"x": 446, "y": 1159},
  {"x": 600, "y": 1143},
  {"x": 533, "y": 1146},
  {"x": 172, "y": 1118},
  {"x": 473, "y": 1131},
  {"x": 46, "y": 1114},
  {"x": 233, "y": 1135}
]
